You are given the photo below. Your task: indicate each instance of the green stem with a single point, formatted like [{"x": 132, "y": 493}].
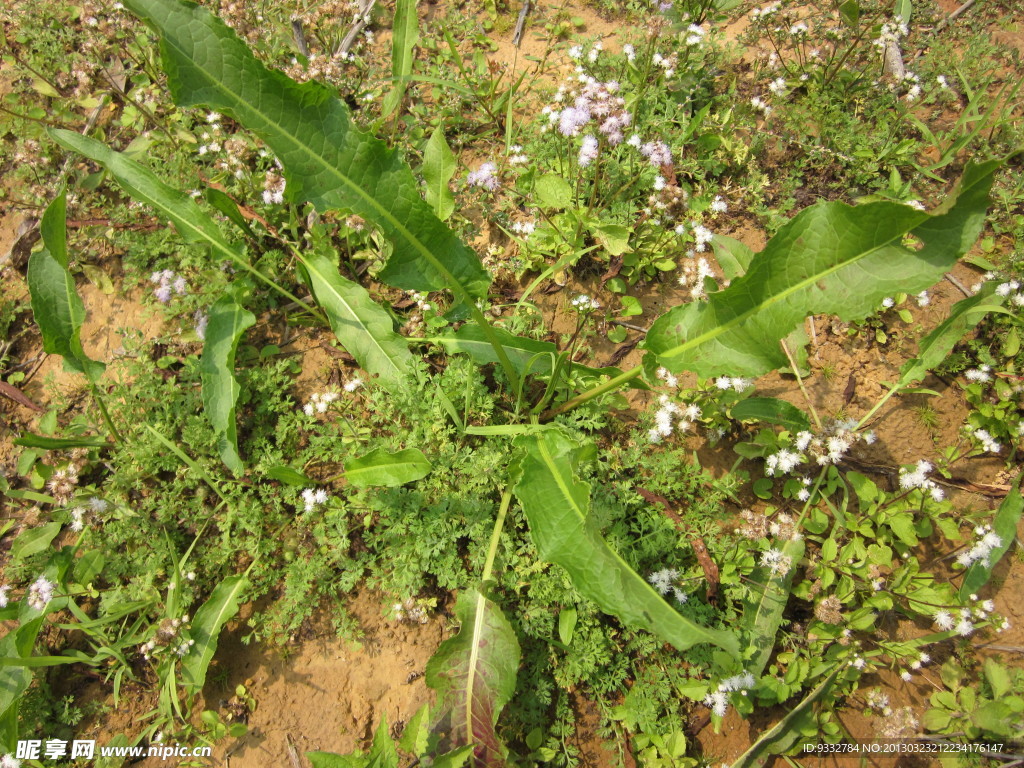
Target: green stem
[
  {"x": 800, "y": 381},
  {"x": 499, "y": 523},
  {"x": 600, "y": 389},
  {"x": 103, "y": 411}
]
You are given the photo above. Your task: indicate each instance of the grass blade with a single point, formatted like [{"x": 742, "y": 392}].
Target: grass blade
[
  {"x": 557, "y": 507},
  {"x": 227, "y": 322},
  {"x": 362, "y": 327},
  {"x": 404, "y": 33}
]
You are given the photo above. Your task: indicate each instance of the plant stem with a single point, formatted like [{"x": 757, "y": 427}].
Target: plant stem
[
  {"x": 499, "y": 523},
  {"x": 600, "y": 389},
  {"x": 799, "y": 380},
  {"x": 103, "y": 411}
]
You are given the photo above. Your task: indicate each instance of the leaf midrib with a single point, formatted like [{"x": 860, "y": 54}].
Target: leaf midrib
[
  {"x": 741, "y": 318},
  {"x": 309, "y": 265},
  {"x": 631, "y": 574},
  {"x": 304, "y": 148}
]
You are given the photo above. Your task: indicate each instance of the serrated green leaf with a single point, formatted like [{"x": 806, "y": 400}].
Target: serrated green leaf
[
  {"x": 56, "y": 305},
  {"x": 326, "y": 160},
  {"x": 936, "y": 346},
  {"x": 773, "y": 411},
  {"x": 1004, "y": 525},
  {"x": 359, "y": 323},
  {"x": 404, "y": 33},
  {"x": 474, "y": 674},
  {"x": 557, "y": 506},
  {"x": 553, "y": 191},
  {"x": 765, "y": 600},
  {"x": 219, "y": 608},
  {"x": 380, "y": 468},
  {"x": 415, "y": 735},
  {"x": 438, "y": 168},
  {"x": 831, "y": 259},
  {"x": 227, "y": 322},
  {"x": 614, "y": 238}
]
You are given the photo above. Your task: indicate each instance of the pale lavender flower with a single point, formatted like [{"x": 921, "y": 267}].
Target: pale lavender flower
[
  {"x": 588, "y": 151},
  {"x": 484, "y": 177}
]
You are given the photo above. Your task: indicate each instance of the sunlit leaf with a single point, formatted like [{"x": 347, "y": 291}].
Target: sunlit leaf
[
  {"x": 387, "y": 469},
  {"x": 474, "y": 674},
  {"x": 831, "y": 259},
  {"x": 765, "y": 600},
  {"x": 326, "y": 159},
  {"x": 56, "y": 305},
  {"x": 227, "y": 322},
  {"x": 220, "y": 608},
  {"x": 557, "y": 506}
]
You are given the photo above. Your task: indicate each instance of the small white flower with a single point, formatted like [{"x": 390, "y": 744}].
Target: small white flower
[
  {"x": 944, "y": 621},
  {"x": 40, "y": 593},
  {"x": 353, "y": 384},
  {"x": 718, "y": 702},
  {"x": 4, "y": 595}
]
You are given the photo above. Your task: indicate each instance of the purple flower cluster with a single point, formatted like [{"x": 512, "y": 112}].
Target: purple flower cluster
[
  {"x": 657, "y": 152},
  {"x": 595, "y": 101},
  {"x": 588, "y": 150},
  {"x": 167, "y": 284},
  {"x": 484, "y": 177}
]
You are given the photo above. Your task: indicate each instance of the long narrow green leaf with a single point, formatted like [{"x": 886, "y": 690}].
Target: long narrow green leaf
[
  {"x": 1004, "y": 525},
  {"x": 557, "y": 506},
  {"x": 528, "y": 356},
  {"x": 474, "y": 674},
  {"x": 220, "y": 608},
  {"x": 784, "y": 734},
  {"x": 832, "y": 259},
  {"x": 57, "y": 307},
  {"x": 362, "y": 327},
  {"x": 189, "y": 219},
  {"x": 438, "y": 169},
  {"x": 404, "y": 33},
  {"x": 30, "y": 440},
  {"x": 327, "y": 161},
  {"x": 764, "y": 604},
  {"x": 227, "y": 322},
  {"x": 936, "y": 346}
]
